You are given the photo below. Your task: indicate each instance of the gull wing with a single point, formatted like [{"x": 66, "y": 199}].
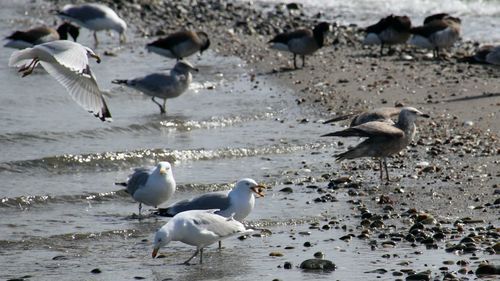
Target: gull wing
[{"x": 82, "y": 87}]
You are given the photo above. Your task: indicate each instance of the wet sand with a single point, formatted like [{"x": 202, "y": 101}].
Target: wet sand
[{"x": 439, "y": 217}]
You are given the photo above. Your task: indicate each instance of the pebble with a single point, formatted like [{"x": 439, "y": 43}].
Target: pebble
[
  {"x": 318, "y": 264},
  {"x": 275, "y": 254},
  {"x": 488, "y": 269},
  {"x": 421, "y": 276},
  {"x": 95, "y": 271},
  {"x": 287, "y": 265}
]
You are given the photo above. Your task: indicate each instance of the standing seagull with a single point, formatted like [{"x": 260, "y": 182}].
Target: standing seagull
[
  {"x": 41, "y": 34},
  {"x": 383, "y": 139},
  {"x": 390, "y": 30},
  {"x": 180, "y": 44},
  {"x": 439, "y": 31},
  {"x": 301, "y": 42},
  {"x": 198, "y": 228},
  {"x": 238, "y": 202},
  {"x": 383, "y": 114},
  {"x": 68, "y": 63},
  {"x": 162, "y": 85},
  {"x": 95, "y": 17},
  {"x": 151, "y": 186}
]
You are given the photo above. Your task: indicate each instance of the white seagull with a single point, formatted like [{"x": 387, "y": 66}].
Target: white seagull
[
  {"x": 151, "y": 186},
  {"x": 238, "y": 202},
  {"x": 68, "y": 63},
  {"x": 163, "y": 85},
  {"x": 198, "y": 228},
  {"x": 95, "y": 17}
]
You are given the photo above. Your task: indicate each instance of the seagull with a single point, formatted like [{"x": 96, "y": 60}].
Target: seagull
[
  {"x": 162, "y": 85},
  {"x": 238, "y": 202},
  {"x": 95, "y": 17},
  {"x": 40, "y": 35},
  {"x": 301, "y": 42},
  {"x": 68, "y": 63},
  {"x": 489, "y": 54},
  {"x": 198, "y": 228},
  {"x": 180, "y": 44},
  {"x": 151, "y": 186},
  {"x": 382, "y": 139},
  {"x": 439, "y": 31},
  {"x": 390, "y": 30},
  {"x": 383, "y": 114}
]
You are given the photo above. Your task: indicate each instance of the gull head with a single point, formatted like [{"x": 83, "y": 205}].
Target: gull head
[
  {"x": 249, "y": 185},
  {"x": 162, "y": 238},
  {"x": 164, "y": 168},
  {"x": 183, "y": 66},
  {"x": 413, "y": 111},
  {"x": 205, "y": 42}
]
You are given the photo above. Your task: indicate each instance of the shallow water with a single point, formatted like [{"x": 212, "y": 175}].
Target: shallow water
[{"x": 62, "y": 216}]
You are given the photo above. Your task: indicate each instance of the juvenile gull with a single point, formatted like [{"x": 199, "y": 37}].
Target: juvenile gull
[
  {"x": 68, "y": 63},
  {"x": 383, "y": 114},
  {"x": 41, "y": 34},
  {"x": 151, "y": 186},
  {"x": 180, "y": 44},
  {"x": 439, "y": 31},
  {"x": 162, "y": 85},
  {"x": 301, "y": 42},
  {"x": 95, "y": 17},
  {"x": 198, "y": 228},
  {"x": 390, "y": 30},
  {"x": 382, "y": 138}
]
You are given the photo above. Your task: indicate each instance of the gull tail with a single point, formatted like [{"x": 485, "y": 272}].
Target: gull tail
[
  {"x": 119, "y": 81},
  {"x": 121, "y": 183},
  {"x": 165, "y": 212}
]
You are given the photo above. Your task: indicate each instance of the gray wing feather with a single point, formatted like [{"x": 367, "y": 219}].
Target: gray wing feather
[
  {"x": 84, "y": 13},
  {"x": 213, "y": 200},
  {"x": 137, "y": 179},
  {"x": 218, "y": 225}
]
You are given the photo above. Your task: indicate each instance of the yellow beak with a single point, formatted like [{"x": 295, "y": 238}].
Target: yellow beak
[
  {"x": 155, "y": 253},
  {"x": 163, "y": 171},
  {"x": 259, "y": 190}
]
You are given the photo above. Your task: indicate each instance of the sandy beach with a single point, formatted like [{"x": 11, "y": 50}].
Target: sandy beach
[{"x": 437, "y": 220}]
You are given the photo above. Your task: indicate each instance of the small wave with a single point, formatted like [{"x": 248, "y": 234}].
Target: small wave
[
  {"x": 110, "y": 161},
  {"x": 23, "y": 202},
  {"x": 152, "y": 126}
]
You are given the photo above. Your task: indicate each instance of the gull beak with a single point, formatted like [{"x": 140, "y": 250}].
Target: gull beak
[
  {"x": 155, "y": 252},
  {"x": 97, "y": 58},
  {"x": 425, "y": 115},
  {"x": 259, "y": 190},
  {"x": 163, "y": 171}
]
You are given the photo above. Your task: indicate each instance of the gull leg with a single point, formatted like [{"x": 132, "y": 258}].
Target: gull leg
[
  {"x": 140, "y": 209},
  {"x": 201, "y": 255},
  {"x": 194, "y": 255},
  {"x": 381, "y": 49},
  {"x": 162, "y": 108},
  {"x": 220, "y": 244},
  {"x": 27, "y": 70},
  {"x": 303, "y": 60},
  {"x": 294, "y": 60},
  {"x": 381, "y": 171},
  {"x": 386, "y": 170},
  {"x": 96, "y": 42}
]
